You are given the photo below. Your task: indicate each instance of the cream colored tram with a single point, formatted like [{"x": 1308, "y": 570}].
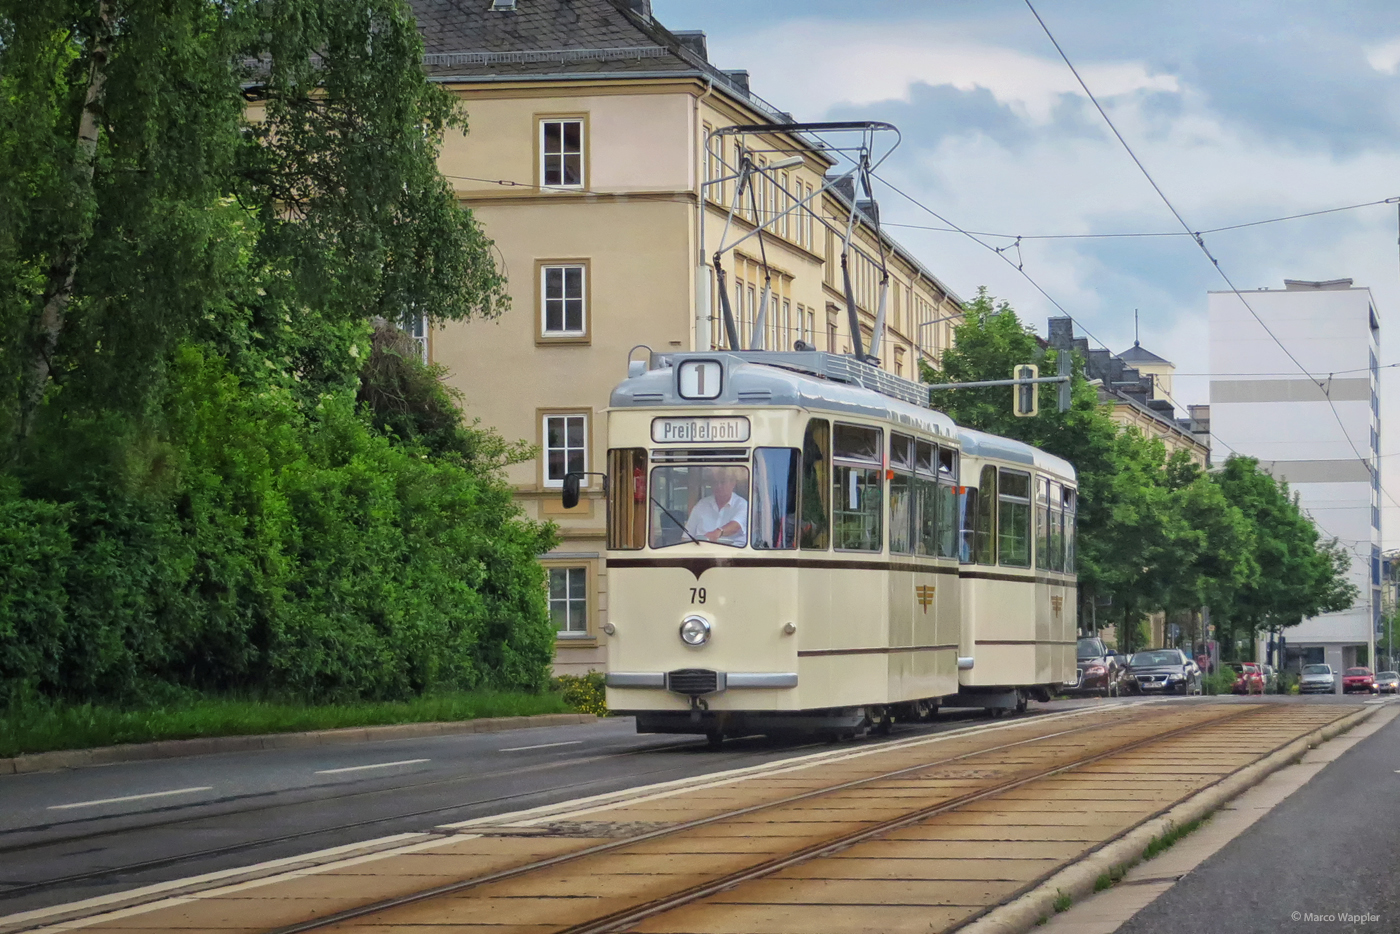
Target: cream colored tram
[
  {"x": 783, "y": 549},
  {"x": 1019, "y": 597}
]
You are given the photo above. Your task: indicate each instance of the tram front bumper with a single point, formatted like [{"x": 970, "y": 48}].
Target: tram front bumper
[{"x": 700, "y": 682}]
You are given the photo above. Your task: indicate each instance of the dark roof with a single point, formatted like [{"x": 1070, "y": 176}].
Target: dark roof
[
  {"x": 467, "y": 38},
  {"x": 1138, "y": 354}
]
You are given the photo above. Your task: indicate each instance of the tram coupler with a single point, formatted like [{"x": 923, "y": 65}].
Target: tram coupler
[{"x": 697, "y": 704}]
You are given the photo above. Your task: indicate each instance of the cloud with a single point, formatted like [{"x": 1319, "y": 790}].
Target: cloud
[
  {"x": 865, "y": 64},
  {"x": 1385, "y": 58}
]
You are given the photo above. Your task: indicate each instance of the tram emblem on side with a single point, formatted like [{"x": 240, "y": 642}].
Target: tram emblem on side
[
  {"x": 1056, "y": 605},
  {"x": 925, "y": 594}
]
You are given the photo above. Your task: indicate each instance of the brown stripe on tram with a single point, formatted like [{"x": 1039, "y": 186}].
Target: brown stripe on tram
[
  {"x": 1016, "y": 578},
  {"x": 885, "y": 650},
  {"x": 698, "y": 566},
  {"x": 1020, "y": 642}
]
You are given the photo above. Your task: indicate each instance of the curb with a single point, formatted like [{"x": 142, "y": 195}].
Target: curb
[
  {"x": 176, "y": 748},
  {"x": 1077, "y": 880}
]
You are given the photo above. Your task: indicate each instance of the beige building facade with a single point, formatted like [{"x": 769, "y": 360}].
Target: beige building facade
[{"x": 586, "y": 163}]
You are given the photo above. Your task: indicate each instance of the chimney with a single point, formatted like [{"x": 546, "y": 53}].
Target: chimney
[
  {"x": 1061, "y": 332},
  {"x": 693, "y": 41},
  {"x": 846, "y": 188},
  {"x": 739, "y": 78},
  {"x": 870, "y": 209},
  {"x": 642, "y": 8}
]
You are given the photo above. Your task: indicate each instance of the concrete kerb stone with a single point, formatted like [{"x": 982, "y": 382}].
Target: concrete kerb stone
[
  {"x": 1077, "y": 880},
  {"x": 176, "y": 748}
]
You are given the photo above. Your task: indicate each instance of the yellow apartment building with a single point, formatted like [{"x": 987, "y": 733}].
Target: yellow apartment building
[{"x": 586, "y": 163}]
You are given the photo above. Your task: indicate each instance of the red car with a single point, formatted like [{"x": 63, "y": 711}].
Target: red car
[
  {"x": 1358, "y": 679},
  {"x": 1250, "y": 679}
]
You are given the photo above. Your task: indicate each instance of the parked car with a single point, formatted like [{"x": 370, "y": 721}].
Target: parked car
[
  {"x": 1100, "y": 670},
  {"x": 1163, "y": 671},
  {"x": 1317, "y": 679},
  {"x": 1249, "y": 678},
  {"x": 1388, "y": 682},
  {"x": 1270, "y": 680},
  {"x": 1358, "y": 679}
]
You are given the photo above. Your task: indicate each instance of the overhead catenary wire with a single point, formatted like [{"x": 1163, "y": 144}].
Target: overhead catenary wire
[
  {"x": 1153, "y": 233},
  {"x": 1200, "y": 242}
]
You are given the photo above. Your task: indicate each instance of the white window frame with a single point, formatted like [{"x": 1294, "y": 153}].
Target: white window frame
[
  {"x": 546, "y": 448},
  {"x": 572, "y": 573},
  {"x": 416, "y": 327},
  {"x": 582, "y": 299},
  {"x": 545, "y": 183}
]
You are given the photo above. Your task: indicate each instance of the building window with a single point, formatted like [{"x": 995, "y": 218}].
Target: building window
[
  {"x": 568, "y": 600},
  {"x": 565, "y": 447},
  {"x": 416, "y": 327},
  {"x": 563, "y": 300},
  {"x": 561, "y": 153}
]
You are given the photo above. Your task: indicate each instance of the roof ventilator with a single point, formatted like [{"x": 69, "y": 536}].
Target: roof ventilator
[{"x": 502, "y": 6}]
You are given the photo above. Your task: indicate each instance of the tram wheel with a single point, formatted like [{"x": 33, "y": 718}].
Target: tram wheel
[
  {"x": 1022, "y": 701},
  {"x": 714, "y": 739}
]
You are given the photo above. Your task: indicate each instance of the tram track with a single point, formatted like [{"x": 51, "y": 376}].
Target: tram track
[{"x": 620, "y": 920}]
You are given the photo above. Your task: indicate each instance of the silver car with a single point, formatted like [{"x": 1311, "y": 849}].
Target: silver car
[{"x": 1317, "y": 679}]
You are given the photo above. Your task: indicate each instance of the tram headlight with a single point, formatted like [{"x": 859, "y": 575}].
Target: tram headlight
[{"x": 695, "y": 630}]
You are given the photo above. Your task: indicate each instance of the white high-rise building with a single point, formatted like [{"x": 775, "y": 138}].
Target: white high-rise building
[{"x": 1322, "y": 435}]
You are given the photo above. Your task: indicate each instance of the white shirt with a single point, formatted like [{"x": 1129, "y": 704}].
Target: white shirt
[{"x": 709, "y": 515}]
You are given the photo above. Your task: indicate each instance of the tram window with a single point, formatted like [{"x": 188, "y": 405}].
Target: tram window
[
  {"x": 1042, "y": 522},
  {"x": 967, "y": 514},
  {"x": 816, "y": 485},
  {"x": 903, "y": 514},
  {"x": 1014, "y": 519},
  {"x": 627, "y": 498},
  {"x": 775, "y": 498},
  {"x": 984, "y": 528},
  {"x": 695, "y": 504},
  {"x": 1056, "y": 514},
  {"x": 926, "y": 458},
  {"x": 947, "y": 503},
  {"x": 1071, "y": 507},
  {"x": 856, "y": 492},
  {"x": 901, "y": 452},
  {"x": 925, "y": 515},
  {"x": 856, "y": 442}
]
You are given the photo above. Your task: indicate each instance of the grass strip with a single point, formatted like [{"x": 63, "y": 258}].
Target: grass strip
[{"x": 41, "y": 727}]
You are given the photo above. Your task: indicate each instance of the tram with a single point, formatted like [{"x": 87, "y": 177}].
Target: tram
[{"x": 797, "y": 542}]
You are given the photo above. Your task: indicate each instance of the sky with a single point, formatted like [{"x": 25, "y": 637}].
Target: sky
[{"x": 1240, "y": 111}]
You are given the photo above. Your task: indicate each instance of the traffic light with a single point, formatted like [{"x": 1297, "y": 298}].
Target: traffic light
[{"x": 1025, "y": 398}]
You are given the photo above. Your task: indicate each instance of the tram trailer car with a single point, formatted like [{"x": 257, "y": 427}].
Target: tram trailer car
[{"x": 787, "y": 535}]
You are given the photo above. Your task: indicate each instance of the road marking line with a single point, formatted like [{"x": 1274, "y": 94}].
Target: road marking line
[
  {"x": 574, "y": 742},
  {"x": 153, "y": 794},
  {"x": 377, "y": 765}
]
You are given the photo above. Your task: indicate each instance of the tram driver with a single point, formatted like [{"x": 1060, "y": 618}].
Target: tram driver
[{"x": 723, "y": 515}]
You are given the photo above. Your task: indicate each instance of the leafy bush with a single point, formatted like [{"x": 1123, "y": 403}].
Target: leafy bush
[
  {"x": 1221, "y": 682},
  {"x": 257, "y": 547},
  {"x": 585, "y": 694}
]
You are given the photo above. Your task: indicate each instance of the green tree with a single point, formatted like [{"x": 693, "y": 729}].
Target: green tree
[
  {"x": 217, "y": 472},
  {"x": 1300, "y": 575}
]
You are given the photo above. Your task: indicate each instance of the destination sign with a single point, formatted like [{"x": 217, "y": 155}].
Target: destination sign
[{"x": 705, "y": 428}]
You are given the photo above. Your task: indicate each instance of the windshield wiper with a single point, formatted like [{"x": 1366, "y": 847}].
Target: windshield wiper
[{"x": 679, "y": 524}]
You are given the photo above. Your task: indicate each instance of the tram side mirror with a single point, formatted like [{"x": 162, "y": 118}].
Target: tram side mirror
[{"x": 571, "y": 485}]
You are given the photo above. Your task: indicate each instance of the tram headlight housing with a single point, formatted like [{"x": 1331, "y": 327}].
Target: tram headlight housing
[{"x": 695, "y": 630}]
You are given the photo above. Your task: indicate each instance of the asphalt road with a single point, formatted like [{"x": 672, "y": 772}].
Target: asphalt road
[
  {"x": 80, "y": 833},
  {"x": 1327, "y": 852}
]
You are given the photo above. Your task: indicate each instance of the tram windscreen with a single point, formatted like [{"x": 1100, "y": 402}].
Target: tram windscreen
[{"x": 695, "y": 503}]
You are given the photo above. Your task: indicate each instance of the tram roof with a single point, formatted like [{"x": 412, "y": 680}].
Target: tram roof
[
  {"x": 804, "y": 379},
  {"x": 981, "y": 444}
]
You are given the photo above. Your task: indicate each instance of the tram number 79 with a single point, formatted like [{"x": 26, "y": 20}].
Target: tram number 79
[{"x": 697, "y": 595}]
